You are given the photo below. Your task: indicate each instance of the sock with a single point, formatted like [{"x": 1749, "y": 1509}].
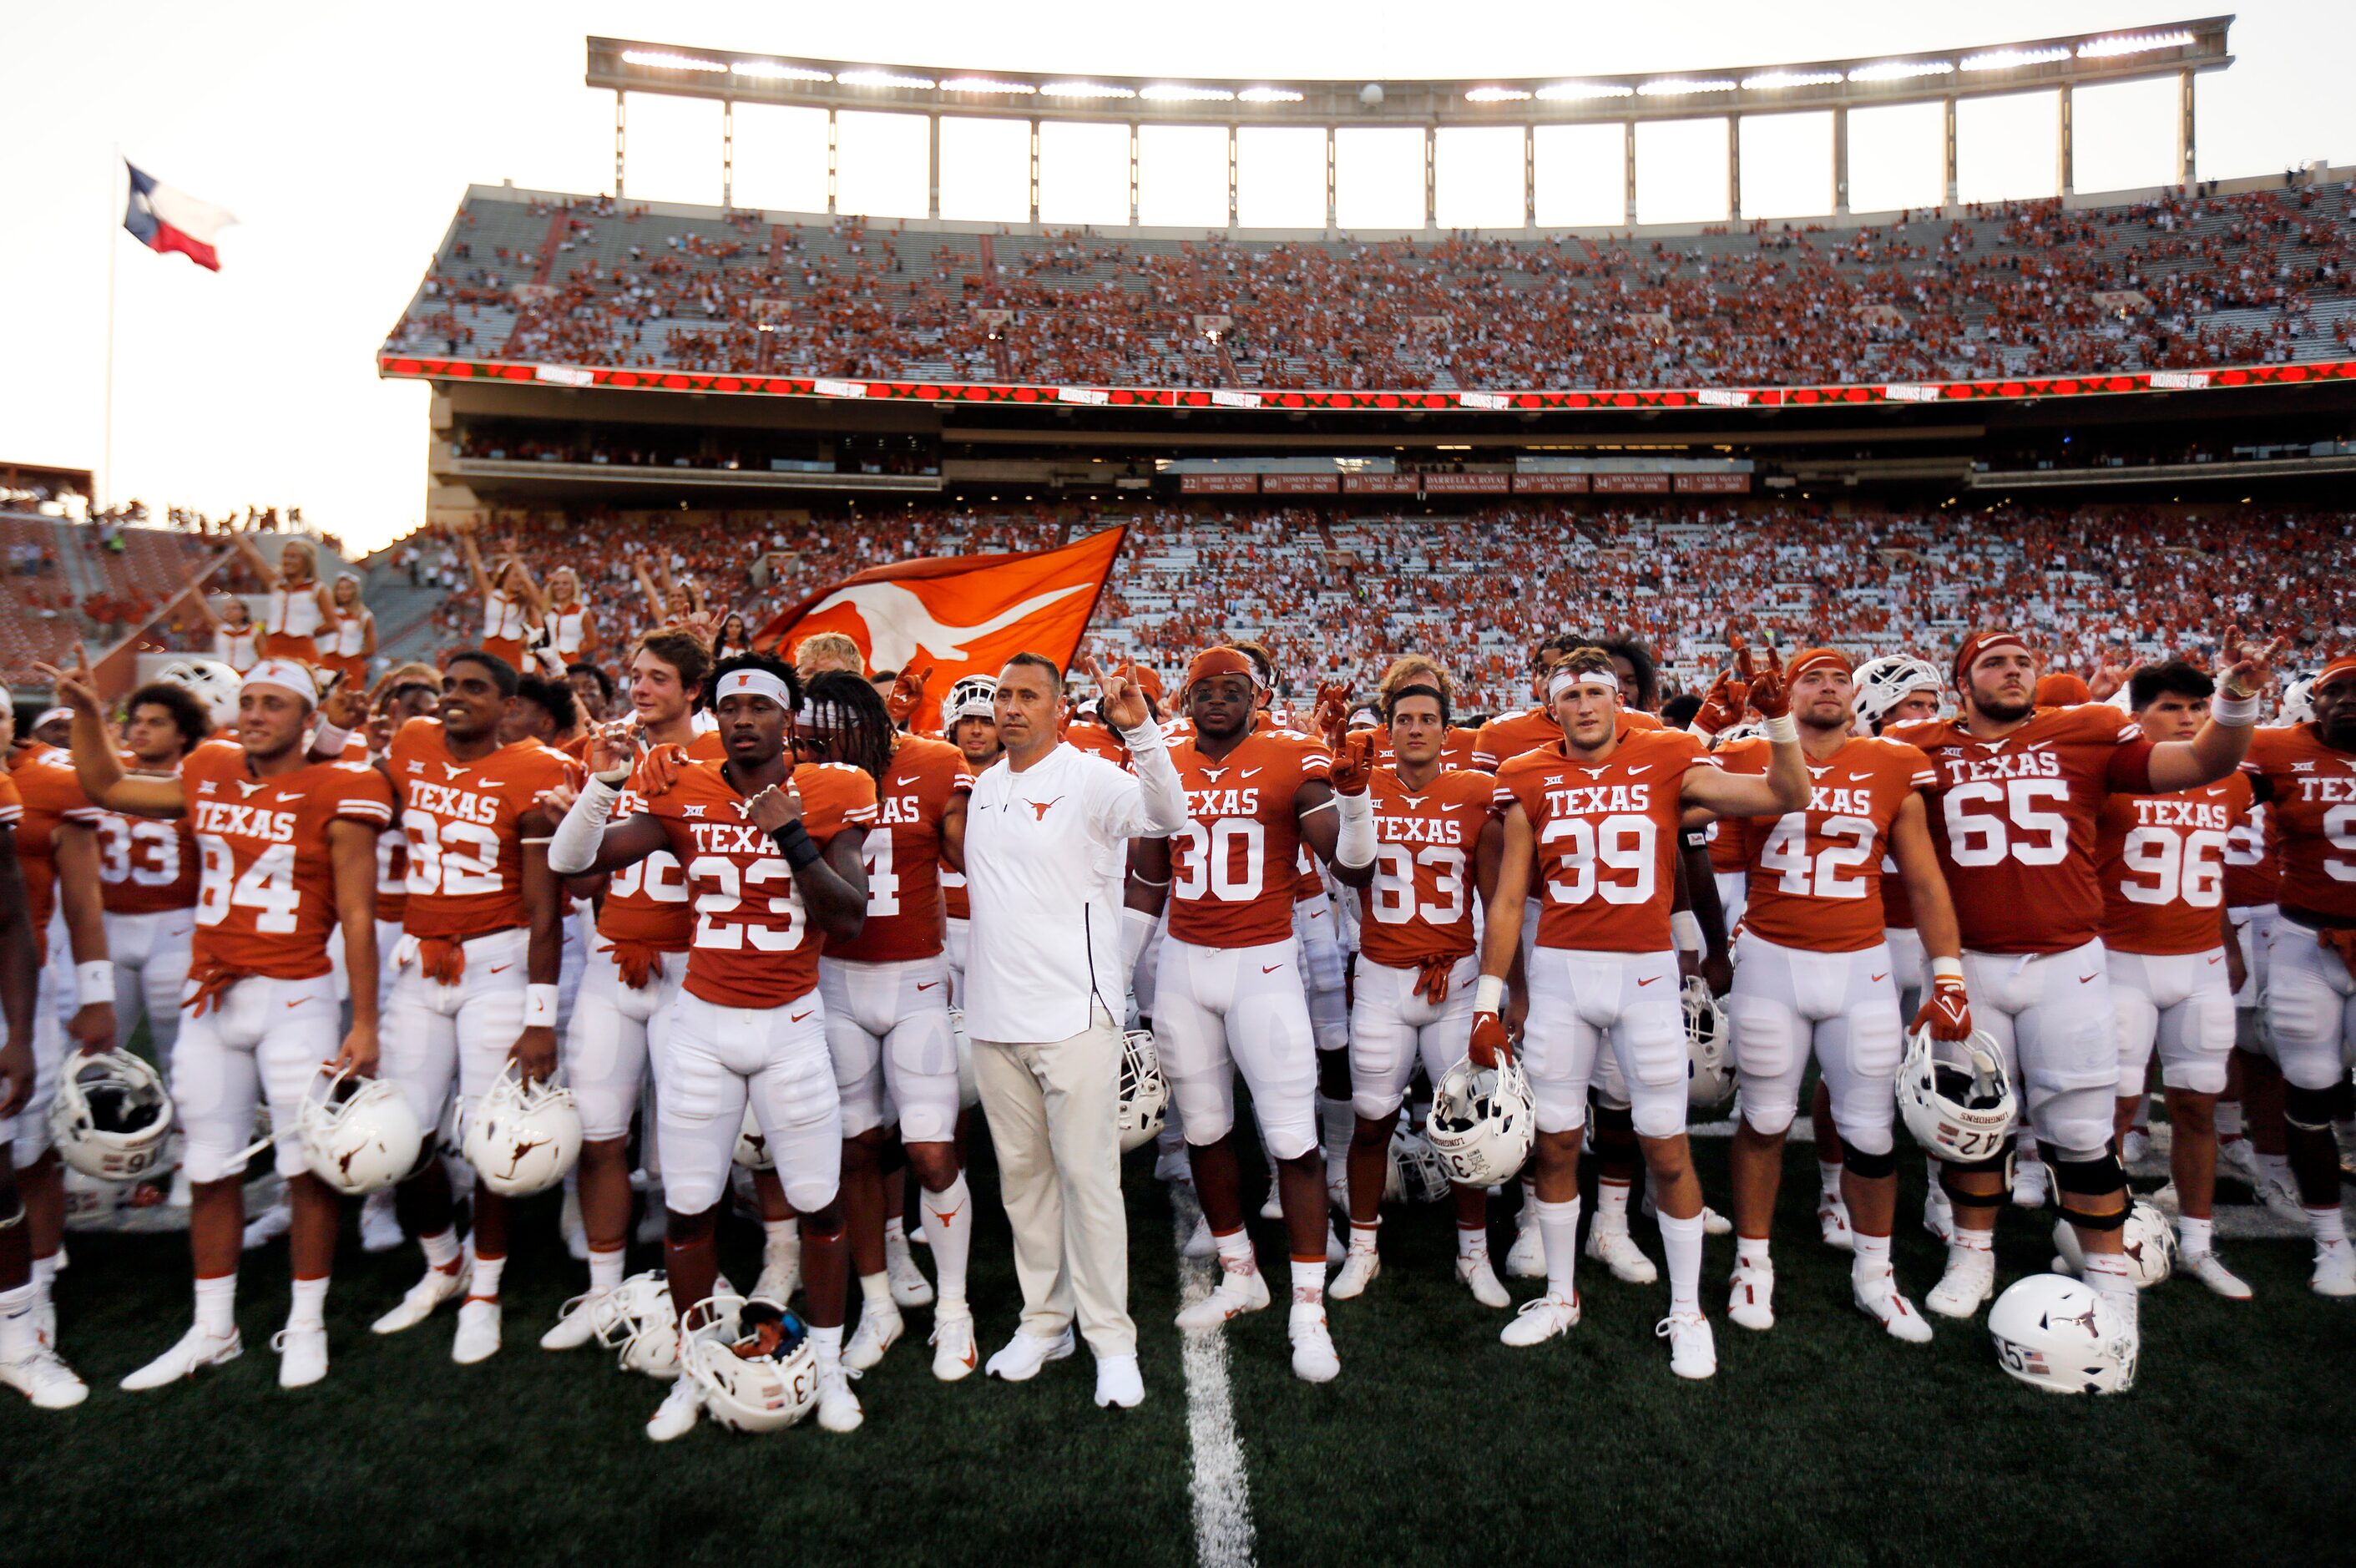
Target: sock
[
  {"x": 1611, "y": 1205},
  {"x": 216, "y": 1306},
  {"x": 2140, "y": 1118},
  {"x": 2327, "y": 1226},
  {"x": 441, "y": 1250},
  {"x": 1471, "y": 1242},
  {"x": 1871, "y": 1260},
  {"x": 1751, "y": 1254},
  {"x": 1339, "y": 1121},
  {"x": 827, "y": 1344},
  {"x": 605, "y": 1270},
  {"x": 2194, "y": 1237},
  {"x": 780, "y": 1233},
  {"x": 1828, "y": 1180},
  {"x": 1236, "y": 1251},
  {"x": 1970, "y": 1241},
  {"x": 875, "y": 1290},
  {"x": 2229, "y": 1121},
  {"x": 485, "y": 1286},
  {"x": 1681, "y": 1245},
  {"x": 1307, "y": 1281},
  {"x": 2108, "y": 1272},
  {"x": 1559, "y": 1224},
  {"x": 310, "y": 1309},
  {"x": 18, "y": 1333},
  {"x": 1364, "y": 1238},
  {"x": 948, "y": 1229},
  {"x": 895, "y": 1235},
  {"x": 44, "y": 1277}
]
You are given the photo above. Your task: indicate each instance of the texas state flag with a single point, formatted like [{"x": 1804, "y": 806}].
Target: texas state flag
[{"x": 163, "y": 219}]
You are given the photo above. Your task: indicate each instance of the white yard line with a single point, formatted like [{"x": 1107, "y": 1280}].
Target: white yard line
[{"x": 1224, "y": 1537}]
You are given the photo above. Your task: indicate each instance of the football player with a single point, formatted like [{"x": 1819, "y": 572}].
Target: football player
[
  {"x": 775, "y": 869},
  {"x": 479, "y": 963},
  {"x": 1599, "y": 813},
  {"x": 147, "y": 876},
  {"x": 973, "y": 729},
  {"x": 2019, "y": 789},
  {"x": 289, "y": 855}
]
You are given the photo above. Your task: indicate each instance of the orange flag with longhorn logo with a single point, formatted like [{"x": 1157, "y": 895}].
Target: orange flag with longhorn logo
[{"x": 959, "y": 614}]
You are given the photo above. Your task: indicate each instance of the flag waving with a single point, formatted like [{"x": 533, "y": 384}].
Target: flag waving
[
  {"x": 164, "y": 220},
  {"x": 959, "y": 615}
]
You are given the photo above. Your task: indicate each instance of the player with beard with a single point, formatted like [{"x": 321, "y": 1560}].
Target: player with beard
[
  {"x": 775, "y": 869},
  {"x": 973, "y": 729}
]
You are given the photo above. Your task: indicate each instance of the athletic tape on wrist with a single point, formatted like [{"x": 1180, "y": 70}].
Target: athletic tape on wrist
[
  {"x": 2238, "y": 712},
  {"x": 540, "y": 1006},
  {"x": 1684, "y": 925},
  {"x": 1489, "y": 993},
  {"x": 94, "y": 981},
  {"x": 1947, "y": 969},
  {"x": 1782, "y": 730}
]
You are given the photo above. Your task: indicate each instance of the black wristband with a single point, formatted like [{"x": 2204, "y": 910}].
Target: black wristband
[
  {"x": 795, "y": 844},
  {"x": 1696, "y": 838}
]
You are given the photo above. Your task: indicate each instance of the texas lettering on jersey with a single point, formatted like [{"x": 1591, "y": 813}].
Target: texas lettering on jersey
[
  {"x": 2162, "y": 862},
  {"x": 2310, "y": 790},
  {"x": 1606, "y": 837},
  {"x": 466, "y": 852},
  {"x": 904, "y": 906},
  {"x": 1816, "y": 876},
  {"x": 1234, "y": 872},
  {"x": 1419, "y": 906}
]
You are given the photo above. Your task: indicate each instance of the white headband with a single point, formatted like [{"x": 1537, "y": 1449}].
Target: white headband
[
  {"x": 49, "y": 714},
  {"x": 750, "y": 684},
  {"x": 285, "y": 673},
  {"x": 1609, "y": 680}
]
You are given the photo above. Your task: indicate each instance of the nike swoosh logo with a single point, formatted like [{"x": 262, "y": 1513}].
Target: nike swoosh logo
[
  {"x": 1648, "y": 979},
  {"x": 282, "y": 795},
  {"x": 927, "y": 984},
  {"x": 797, "y": 1017},
  {"x": 1634, "y": 771},
  {"x": 2219, "y": 958},
  {"x": 1249, "y": 771},
  {"x": 1269, "y": 968},
  {"x": 501, "y": 969},
  {"x": 2085, "y": 980},
  {"x": 902, "y": 783},
  {"x": 297, "y": 1002},
  {"x": 1878, "y": 978}
]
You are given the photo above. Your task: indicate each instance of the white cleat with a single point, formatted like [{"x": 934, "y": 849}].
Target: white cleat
[
  {"x": 1200, "y": 1243},
  {"x": 909, "y": 1285},
  {"x": 1832, "y": 1223},
  {"x": 577, "y": 1324},
  {"x": 1526, "y": 1259},
  {"x": 195, "y": 1351},
  {"x": 302, "y": 1356},
  {"x": 2210, "y": 1270},
  {"x": 1881, "y": 1299},
  {"x": 1173, "y": 1166},
  {"x": 1939, "y": 1216},
  {"x": 838, "y": 1407},
  {"x": 1752, "y": 1303},
  {"x": 380, "y": 1225},
  {"x": 478, "y": 1338},
  {"x": 1475, "y": 1274},
  {"x": 680, "y": 1410},
  {"x": 42, "y": 1377},
  {"x": 438, "y": 1286},
  {"x": 2135, "y": 1147},
  {"x": 1617, "y": 1250},
  {"x": 1540, "y": 1319},
  {"x": 1241, "y": 1289},
  {"x": 2280, "y": 1196},
  {"x": 1713, "y": 1223},
  {"x": 1019, "y": 1358},
  {"x": 1360, "y": 1269},
  {"x": 1334, "y": 1251},
  {"x": 2238, "y": 1158},
  {"x": 880, "y": 1328},
  {"x": 1693, "y": 1351},
  {"x": 1313, "y": 1358},
  {"x": 2335, "y": 1271},
  {"x": 269, "y": 1225},
  {"x": 1969, "y": 1281},
  {"x": 1119, "y": 1386},
  {"x": 781, "y": 1270},
  {"x": 2030, "y": 1182},
  {"x": 953, "y": 1355}
]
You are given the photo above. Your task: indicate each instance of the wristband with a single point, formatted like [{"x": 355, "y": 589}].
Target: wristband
[
  {"x": 1782, "y": 730},
  {"x": 1684, "y": 925},
  {"x": 1489, "y": 993},
  {"x": 2235, "y": 712},
  {"x": 329, "y": 741},
  {"x": 795, "y": 844},
  {"x": 540, "y": 1006},
  {"x": 1947, "y": 969},
  {"x": 94, "y": 982}
]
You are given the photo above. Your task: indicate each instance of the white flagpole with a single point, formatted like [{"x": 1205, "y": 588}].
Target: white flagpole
[{"x": 114, "y": 222}]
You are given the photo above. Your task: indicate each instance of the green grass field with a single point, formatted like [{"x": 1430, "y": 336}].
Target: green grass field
[{"x": 1822, "y": 1441}]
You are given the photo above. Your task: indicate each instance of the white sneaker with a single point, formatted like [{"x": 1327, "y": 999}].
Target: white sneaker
[
  {"x": 2238, "y": 1158},
  {"x": 427, "y": 1294},
  {"x": 576, "y": 1238},
  {"x": 1713, "y": 1223},
  {"x": 909, "y": 1285},
  {"x": 478, "y": 1338},
  {"x": 2030, "y": 1182},
  {"x": 1200, "y": 1243},
  {"x": 269, "y": 1225},
  {"x": 1881, "y": 1299},
  {"x": 2335, "y": 1271},
  {"x": 42, "y": 1377},
  {"x": 838, "y": 1407},
  {"x": 1118, "y": 1384},
  {"x": 1313, "y": 1358},
  {"x": 781, "y": 1269},
  {"x": 1693, "y": 1351},
  {"x": 380, "y": 1224},
  {"x": 1272, "y": 1206},
  {"x": 1617, "y": 1250},
  {"x": 2280, "y": 1196},
  {"x": 1752, "y": 1303},
  {"x": 302, "y": 1356},
  {"x": 577, "y": 1324},
  {"x": 680, "y": 1410},
  {"x": 1939, "y": 1215},
  {"x": 1970, "y": 1280},
  {"x": 953, "y": 1351},
  {"x": 195, "y": 1351},
  {"x": 2135, "y": 1147},
  {"x": 1832, "y": 1223},
  {"x": 880, "y": 1328},
  {"x": 1474, "y": 1273},
  {"x": 1172, "y": 1164},
  {"x": 2210, "y": 1270},
  {"x": 1334, "y": 1251},
  {"x": 1019, "y": 1358},
  {"x": 1360, "y": 1269},
  {"x": 1526, "y": 1259},
  {"x": 1540, "y": 1319},
  {"x": 1241, "y": 1289}
]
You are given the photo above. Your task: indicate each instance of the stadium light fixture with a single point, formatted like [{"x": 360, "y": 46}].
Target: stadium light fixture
[
  {"x": 1681, "y": 86},
  {"x": 1574, "y": 91},
  {"x": 2013, "y": 60},
  {"x": 1771, "y": 80},
  {"x": 1495, "y": 95},
  {"x": 986, "y": 84},
  {"x": 1086, "y": 90},
  {"x": 772, "y": 70},
  {"x": 1181, "y": 92},
  {"x": 1269, "y": 95},
  {"x": 882, "y": 79},
  {"x": 2132, "y": 44},
  {"x": 662, "y": 59},
  {"x": 1900, "y": 69}
]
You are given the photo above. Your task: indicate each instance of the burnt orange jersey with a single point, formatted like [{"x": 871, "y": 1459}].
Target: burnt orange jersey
[
  {"x": 708, "y": 746},
  {"x": 1097, "y": 738},
  {"x": 1606, "y": 837},
  {"x": 1456, "y": 748},
  {"x": 52, "y": 797},
  {"x": 2162, "y": 862},
  {"x": 2310, "y": 790},
  {"x": 12, "y": 817},
  {"x": 1507, "y": 736},
  {"x": 267, "y": 901},
  {"x": 904, "y": 907},
  {"x": 392, "y": 854},
  {"x": 1419, "y": 904},
  {"x": 145, "y": 866},
  {"x": 752, "y": 944},
  {"x": 1816, "y": 876},
  {"x": 647, "y": 900},
  {"x": 1234, "y": 872},
  {"x": 957, "y": 901},
  {"x": 2014, "y": 821},
  {"x": 466, "y": 851},
  {"x": 2253, "y": 858},
  {"x": 1729, "y": 850}
]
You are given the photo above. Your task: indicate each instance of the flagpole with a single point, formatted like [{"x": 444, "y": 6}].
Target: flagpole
[{"x": 106, "y": 467}]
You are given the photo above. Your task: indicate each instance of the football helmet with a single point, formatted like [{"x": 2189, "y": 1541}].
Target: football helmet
[
  {"x": 521, "y": 1138},
  {"x": 753, "y": 1361},
  {"x": 969, "y": 1089},
  {"x": 2063, "y": 1336},
  {"x": 1709, "y": 1051},
  {"x": 752, "y": 1145},
  {"x": 358, "y": 1134},
  {"x": 1955, "y": 1096},
  {"x": 2150, "y": 1246},
  {"x": 1747, "y": 730},
  {"x": 112, "y": 1116},
  {"x": 1483, "y": 1121},
  {"x": 1422, "y": 1174},
  {"x": 971, "y": 697},
  {"x": 211, "y": 683},
  {"x": 635, "y": 1321},
  {"x": 1882, "y": 683},
  {"x": 2298, "y": 703},
  {"x": 1144, "y": 1093}
]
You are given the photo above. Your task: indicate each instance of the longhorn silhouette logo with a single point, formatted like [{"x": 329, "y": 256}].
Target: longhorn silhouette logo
[{"x": 898, "y": 622}]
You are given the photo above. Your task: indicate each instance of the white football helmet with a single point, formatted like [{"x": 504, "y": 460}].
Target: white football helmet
[
  {"x": 1747, "y": 730},
  {"x": 753, "y": 1361},
  {"x": 1882, "y": 683},
  {"x": 1955, "y": 1096},
  {"x": 969, "y": 1089},
  {"x": 359, "y": 1134},
  {"x": 1710, "y": 1047},
  {"x": 1483, "y": 1121},
  {"x": 971, "y": 697},
  {"x": 1144, "y": 1093},
  {"x": 635, "y": 1321},
  {"x": 112, "y": 1116},
  {"x": 2150, "y": 1246},
  {"x": 752, "y": 1145},
  {"x": 2298, "y": 703},
  {"x": 1422, "y": 1174},
  {"x": 92, "y": 1204},
  {"x": 2063, "y": 1336},
  {"x": 211, "y": 683},
  {"x": 521, "y": 1138}
]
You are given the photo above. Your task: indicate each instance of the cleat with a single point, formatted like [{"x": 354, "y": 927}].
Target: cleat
[
  {"x": 680, "y": 1410},
  {"x": 2030, "y": 1182},
  {"x": 1881, "y": 1299},
  {"x": 268, "y": 1226},
  {"x": 781, "y": 1269},
  {"x": 1200, "y": 1243},
  {"x": 909, "y": 1285},
  {"x": 1360, "y": 1269},
  {"x": 1752, "y": 1303},
  {"x": 1334, "y": 1251},
  {"x": 478, "y": 1338},
  {"x": 577, "y": 1324},
  {"x": 1019, "y": 1361},
  {"x": 1526, "y": 1259},
  {"x": 1939, "y": 1216},
  {"x": 838, "y": 1407},
  {"x": 1693, "y": 1351},
  {"x": 1272, "y": 1206},
  {"x": 880, "y": 1328},
  {"x": 1970, "y": 1280},
  {"x": 2135, "y": 1147},
  {"x": 2210, "y": 1270},
  {"x": 953, "y": 1352},
  {"x": 2335, "y": 1271},
  {"x": 1474, "y": 1273},
  {"x": 1617, "y": 1250},
  {"x": 1241, "y": 1289},
  {"x": 302, "y": 1356},
  {"x": 380, "y": 1226},
  {"x": 1713, "y": 1223},
  {"x": 1540, "y": 1319},
  {"x": 195, "y": 1351},
  {"x": 438, "y": 1286},
  {"x": 1119, "y": 1386},
  {"x": 42, "y": 1377},
  {"x": 1832, "y": 1223},
  {"x": 2237, "y": 1158},
  {"x": 1173, "y": 1166},
  {"x": 2279, "y": 1195},
  {"x": 1313, "y": 1359}
]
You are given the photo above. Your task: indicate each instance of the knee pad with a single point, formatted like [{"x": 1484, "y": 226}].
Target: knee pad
[
  {"x": 1951, "y": 1172},
  {"x": 2098, "y": 1176},
  {"x": 1769, "y": 1121},
  {"x": 1869, "y": 1167},
  {"x": 1659, "y": 1113},
  {"x": 2110, "y": 1219},
  {"x": 2314, "y": 1110}
]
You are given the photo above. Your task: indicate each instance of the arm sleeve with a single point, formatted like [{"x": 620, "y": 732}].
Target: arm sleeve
[
  {"x": 1161, "y": 799},
  {"x": 573, "y": 849}
]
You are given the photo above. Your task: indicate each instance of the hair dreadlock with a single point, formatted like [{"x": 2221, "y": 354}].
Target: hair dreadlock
[{"x": 854, "y": 725}]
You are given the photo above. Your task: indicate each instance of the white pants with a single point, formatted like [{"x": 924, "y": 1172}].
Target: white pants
[
  {"x": 887, "y": 1028},
  {"x": 1577, "y": 998},
  {"x": 442, "y": 1037},
  {"x": 1324, "y": 972},
  {"x": 261, "y": 1041},
  {"x": 2310, "y": 1003},
  {"x": 1910, "y": 967},
  {"x": 28, "y": 1132},
  {"x": 1611, "y": 1085},
  {"x": 612, "y": 1028},
  {"x": 151, "y": 967},
  {"x": 956, "y": 935},
  {"x": 1392, "y": 1027},
  {"x": 2181, "y": 1004},
  {"x": 579, "y": 925},
  {"x": 2052, "y": 1020},
  {"x": 1218, "y": 1011},
  {"x": 1844, "y": 1005},
  {"x": 715, "y": 1062},
  {"x": 2253, "y": 929},
  {"x": 1733, "y": 894}
]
